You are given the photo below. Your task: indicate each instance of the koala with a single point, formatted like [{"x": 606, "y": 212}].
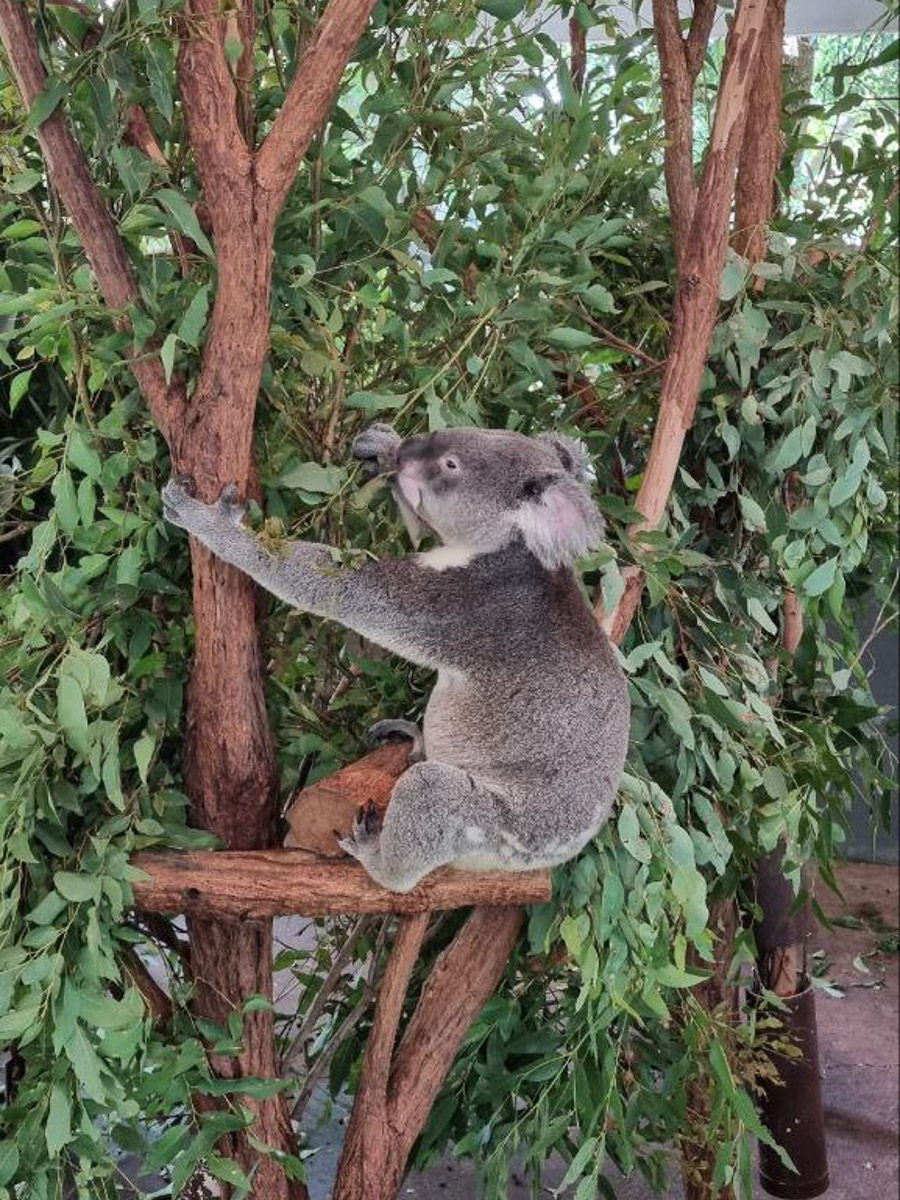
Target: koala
[{"x": 525, "y": 732}]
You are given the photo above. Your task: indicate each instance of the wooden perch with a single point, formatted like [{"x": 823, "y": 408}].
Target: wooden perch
[
  {"x": 325, "y": 810},
  {"x": 256, "y": 884}
]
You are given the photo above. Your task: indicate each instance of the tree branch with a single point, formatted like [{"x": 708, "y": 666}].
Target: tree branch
[
  {"x": 310, "y": 96},
  {"x": 698, "y": 35},
  {"x": 697, "y": 297},
  {"x": 680, "y": 61},
  {"x": 210, "y": 108},
  {"x": 762, "y": 145},
  {"x": 250, "y": 885},
  {"x": 69, "y": 174}
]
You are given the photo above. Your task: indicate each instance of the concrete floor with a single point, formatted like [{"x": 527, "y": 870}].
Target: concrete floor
[{"x": 858, "y": 1048}]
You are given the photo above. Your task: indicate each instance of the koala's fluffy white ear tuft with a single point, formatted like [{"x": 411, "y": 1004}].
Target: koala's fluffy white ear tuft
[
  {"x": 572, "y": 454},
  {"x": 560, "y": 524}
]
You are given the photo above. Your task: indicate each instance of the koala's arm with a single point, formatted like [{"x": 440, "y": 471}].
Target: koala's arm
[{"x": 397, "y": 603}]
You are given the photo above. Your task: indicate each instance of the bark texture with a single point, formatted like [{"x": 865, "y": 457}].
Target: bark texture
[
  {"x": 754, "y": 198},
  {"x": 396, "y": 1096},
  {"x": 252, "y": 885},
  {"x": 325, "y": 810}
]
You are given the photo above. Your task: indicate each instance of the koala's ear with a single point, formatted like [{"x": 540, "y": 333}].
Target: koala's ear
[
  {"x": 559, "y": 522},
  {"x": 572, "y": 454}
]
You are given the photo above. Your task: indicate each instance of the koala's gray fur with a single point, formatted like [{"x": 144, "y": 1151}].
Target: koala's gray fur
[{"x": 526, "y": 730}]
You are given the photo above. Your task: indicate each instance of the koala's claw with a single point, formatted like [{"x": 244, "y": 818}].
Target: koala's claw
[
  {"x": 177, "y": 495},
  {"x": 366, "y": 831},
  {"x": 383, "y": 731},
  {"x": 233, "y": 508},
  {"x": 367, "y": 825}
]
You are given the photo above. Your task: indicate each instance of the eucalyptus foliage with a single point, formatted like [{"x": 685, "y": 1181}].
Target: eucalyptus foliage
[{"x": 459, "y": 242}]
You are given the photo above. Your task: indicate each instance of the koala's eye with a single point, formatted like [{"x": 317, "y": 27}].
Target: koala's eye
[
  {"x": 532, "y": 490},
  {"x": 451, "y": 464}
]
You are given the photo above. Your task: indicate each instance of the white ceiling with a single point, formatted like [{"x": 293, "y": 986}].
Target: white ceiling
[{"x": 803, "y": 17}]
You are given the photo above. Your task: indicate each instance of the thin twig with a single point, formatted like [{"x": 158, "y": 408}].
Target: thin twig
[
  {"x": 325, "y": 992},
  {"x": 349, "y": 1023}
]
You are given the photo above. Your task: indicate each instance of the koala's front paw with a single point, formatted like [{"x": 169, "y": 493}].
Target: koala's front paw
[
  {"x": 178, "y": 500},
  {"x": 182, "y": 508},
  {"x": 376, "y": 448}
]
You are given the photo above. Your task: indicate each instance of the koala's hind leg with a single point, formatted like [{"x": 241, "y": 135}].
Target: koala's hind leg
[{"x": 437, "y": 814}]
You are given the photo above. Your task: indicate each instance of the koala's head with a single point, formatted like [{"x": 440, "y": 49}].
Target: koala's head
[{"x": 480, "y": 488}]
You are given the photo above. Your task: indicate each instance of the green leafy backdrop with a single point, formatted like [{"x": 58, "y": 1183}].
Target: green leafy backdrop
[{"x": 464, "y": 238}]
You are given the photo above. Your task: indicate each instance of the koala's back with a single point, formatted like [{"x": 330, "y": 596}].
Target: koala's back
[{"x": 540, "y": 707}]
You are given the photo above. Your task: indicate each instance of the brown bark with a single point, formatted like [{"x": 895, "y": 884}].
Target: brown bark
[
  {"x": 578, "y": 60},
  {"x": 680, "y": 60},
  {"x": 390, "y": 1113},
  {"x": 325, "y": 810},
  {"x": 702, "y": 258},
  {"x": 253, "y": 885},
  {"x": 762, "y": 145}
]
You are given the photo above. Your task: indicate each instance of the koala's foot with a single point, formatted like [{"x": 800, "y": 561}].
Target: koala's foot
[
  {"x": 376, "y": 448},
  {"x": 383, "y": 731}
]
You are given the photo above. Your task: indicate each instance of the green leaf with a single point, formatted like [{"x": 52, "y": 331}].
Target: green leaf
[
  {"x": 65, "y": 502},
  {"x": 194, "y": 320},
  {"x": 753, "y": 515},
  {"x": 788, "y": 452},
  {"x": 83, "y": 1057},
  {"x": 70, "y": 713},
  {"x": 310, "y": 477},
  {"x": 732, "y": 282},
  {"x": 578, "y": 1164},
  {"x": 143, "y": 753},
  {"x": 83, "y": 456},
  {"x": 17, "y": 185},
  {"x": 630, "y": 835},
  {"x": 9, "y": 1160},
  {"x": 503, "y": 10},
  {"x": 599, "y": 299},
  {"x": 821, "y": 578},
  {"x": 227, "y": 1170},
  {"x": 76, "y": 886},
  {"x": 185, "y": 217},
  {"x": 569, "y": 338},
  {"x": 167, "y": 354},
  {"x": 674, "y": 977},
  {"x": 760, "y": 616},
  {"x": 18, "y": 388},
  {"x": 47, "y": 909},
  {"x": 58, "y": 1130},
  {"x": 375, "y": 402},
  {"x": 44, "y": 104},
  {"x": 774, "y": 783}
]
